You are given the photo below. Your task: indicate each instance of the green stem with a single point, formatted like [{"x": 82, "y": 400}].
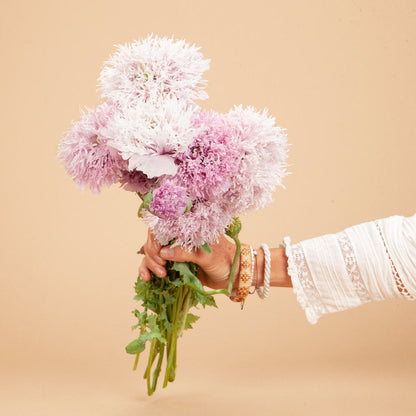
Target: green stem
[
  {"x": 172, "y": 370},
  {"x": 184, "y": 313},
  {"x": 158, "y": 367},
  {"x": 179, "y": 299},
  {"x": 234, "y": 265},
  {"x": 136, "y": 361},
  {"x": 185, "y": 310},
  {"x": 149, "y": 366},
  {"x": 152, "y": 356}
]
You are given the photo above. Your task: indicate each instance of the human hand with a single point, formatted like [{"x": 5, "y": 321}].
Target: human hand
[{"x": 214, "y": 268}]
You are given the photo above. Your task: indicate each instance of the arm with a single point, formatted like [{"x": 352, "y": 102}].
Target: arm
[
  {"x": 366, "y": 262},
  {"x": 215, "y": 267}
]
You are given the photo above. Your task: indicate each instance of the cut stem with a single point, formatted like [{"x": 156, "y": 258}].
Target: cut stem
[
  {"x": 172, "y": 348},
  {"x": 158, "y": 367},
  {"x": 149, "y": 366},
  {"x": 136, "y": 361}
]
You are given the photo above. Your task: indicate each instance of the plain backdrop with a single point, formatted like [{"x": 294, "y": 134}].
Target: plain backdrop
[{"x": 338, "y": 75}]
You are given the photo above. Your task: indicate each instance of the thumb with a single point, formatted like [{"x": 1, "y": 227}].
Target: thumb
[{"x": 179, "y": 254}]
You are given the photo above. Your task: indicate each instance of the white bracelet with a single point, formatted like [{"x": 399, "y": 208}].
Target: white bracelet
[{"x": 263, "y": 294}]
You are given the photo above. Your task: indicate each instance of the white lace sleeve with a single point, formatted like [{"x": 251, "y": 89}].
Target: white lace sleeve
[{"x": 370, "y": 261}]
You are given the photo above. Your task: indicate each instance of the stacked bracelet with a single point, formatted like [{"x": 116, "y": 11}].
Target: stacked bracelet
[
  {"x": 246, "y": 274},
  {"x": 263, "y": 294}
]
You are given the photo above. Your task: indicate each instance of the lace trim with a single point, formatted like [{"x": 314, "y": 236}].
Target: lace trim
[
  {"x": 399, "y": 283},
  {"x": 352, "y": 266},
  {"x": 303, "y": 285}
]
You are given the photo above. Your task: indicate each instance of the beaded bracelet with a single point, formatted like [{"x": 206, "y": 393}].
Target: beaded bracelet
[
  {"x": 254, "y": 271},
  {"x": 245, "y": 274}
]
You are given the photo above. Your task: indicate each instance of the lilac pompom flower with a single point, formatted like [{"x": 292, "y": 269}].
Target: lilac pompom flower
[
  {"x": 206, "y": 168},
  {"x": 85, "y": 152},
  {"x": 203, "y": 223},
  {"x": 262, "y": 166},
  {"x": 169, "y": 201}
]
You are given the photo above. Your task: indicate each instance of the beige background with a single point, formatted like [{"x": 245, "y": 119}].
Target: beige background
[{"x": 339, "y": 75}]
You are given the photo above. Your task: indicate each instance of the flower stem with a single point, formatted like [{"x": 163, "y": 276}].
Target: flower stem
[
  {"x": 136, "y": 361},
  {"x": 158, "y": 366},
  {"x": 185, "y": 310},
  {"x": 149, "y": 366},
  {"x": 172, "y": 345},
  {"x": 235, "y": 261}
]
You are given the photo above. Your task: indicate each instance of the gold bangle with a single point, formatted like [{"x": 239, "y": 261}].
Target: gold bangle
[{"x": 244, "y": 275}]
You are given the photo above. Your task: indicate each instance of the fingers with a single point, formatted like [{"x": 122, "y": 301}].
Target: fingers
[
  {"x": 152, "y": 260},
  {"x": 179, "y": 254},
  {"x": 144, "y": 272},
  {"x": 152, "y": 249},
  {"x": 148, "y": 265},
  {"x": 152, "y": 255}
]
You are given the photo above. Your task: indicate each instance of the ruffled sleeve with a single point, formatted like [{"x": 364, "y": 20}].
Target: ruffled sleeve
[{"x": 371, "y": 261}]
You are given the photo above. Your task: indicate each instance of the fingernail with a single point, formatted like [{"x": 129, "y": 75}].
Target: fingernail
[
  {"x": 160, "y": 271},
  {"x": 167, "y": 252}
]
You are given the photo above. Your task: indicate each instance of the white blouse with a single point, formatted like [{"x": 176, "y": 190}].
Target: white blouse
[{"x": 371, "y": 261}]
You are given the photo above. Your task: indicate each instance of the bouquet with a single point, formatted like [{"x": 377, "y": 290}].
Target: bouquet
[{"x": 194, "y": 171}]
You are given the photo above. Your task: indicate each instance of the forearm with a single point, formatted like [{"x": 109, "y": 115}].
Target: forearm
[{"x": 372, "y": 261}]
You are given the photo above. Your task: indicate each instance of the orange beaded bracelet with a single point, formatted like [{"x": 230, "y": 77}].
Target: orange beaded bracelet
[{"x": 245, "y": 275}]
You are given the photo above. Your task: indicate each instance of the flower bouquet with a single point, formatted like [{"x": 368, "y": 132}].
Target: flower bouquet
[{"x": 194, "y": 171}]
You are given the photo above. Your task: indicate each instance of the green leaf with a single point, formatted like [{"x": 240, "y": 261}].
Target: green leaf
[
  {"x": 210, "y": 301},
  {"x": 188, "y": 277},
  {"x": 190, "y": 319},
  {"x": 154, "y": 328},
  {"x": 135, "y": 347},
  {"x": 163, "y": 316},
  {"x": 148, "y": 198},
  {"x": 141, "y": 316},
  {"x": 177, "y": 282},
  {"x": 188, "y": 207},
  {"x": 206, "y": 248}
]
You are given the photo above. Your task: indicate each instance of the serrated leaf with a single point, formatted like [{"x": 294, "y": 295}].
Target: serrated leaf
[
  {"x": 190, "y": 319},
  {"x": 188, "y": 277},
  {"x": 163, "y": 316},
  {"x": 141, "y": 316},
  {"x": 210, "y": 301},
  {"x": 154, "y": 328},
  {"x": 140, "y": 297}
]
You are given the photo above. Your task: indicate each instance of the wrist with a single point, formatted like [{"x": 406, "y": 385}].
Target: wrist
[{"x": 279, "y": 276}]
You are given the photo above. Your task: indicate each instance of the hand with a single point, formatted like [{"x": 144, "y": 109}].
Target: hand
[{"x": 214, "y": 270}]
